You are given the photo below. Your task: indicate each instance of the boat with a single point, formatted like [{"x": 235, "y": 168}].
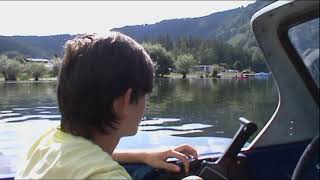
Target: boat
[
  {"x": 262, "y": 75},
  {"x": 287, "y": 147},
  {"x": 241, "y": 76}
]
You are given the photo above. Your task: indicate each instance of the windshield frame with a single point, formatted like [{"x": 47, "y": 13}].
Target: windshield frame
[
  {"x": 294, "y": 57},
  {"x": 297, "y": 116}
]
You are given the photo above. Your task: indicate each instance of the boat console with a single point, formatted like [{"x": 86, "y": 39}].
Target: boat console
[{"x": 232, "y": 164}]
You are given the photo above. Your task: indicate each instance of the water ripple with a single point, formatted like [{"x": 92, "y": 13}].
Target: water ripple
[
  {"x": 6, "y": 111},
  {"x": 185, "y": 127},
  {"x": 28, "y": 117},
  {"x": 20, "y": 109},
  {"x": 9, "y": 115},
  {"x": 157, "y": 121}
]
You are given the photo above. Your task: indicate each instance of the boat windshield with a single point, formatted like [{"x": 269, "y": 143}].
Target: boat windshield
[{"x": 305, "y": 38}]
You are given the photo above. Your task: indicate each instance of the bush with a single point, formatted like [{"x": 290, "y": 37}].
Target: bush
[
  {"x": 215, "y": 70},
  {"x": 184, "y": 63},
  {"x": 36, "y": 70},
  {"x": 56, "y": 62},
  {"x": 24, "y": 77},
  {"x": 161, "y": 57},
  {"x": 10, "y": 68}
]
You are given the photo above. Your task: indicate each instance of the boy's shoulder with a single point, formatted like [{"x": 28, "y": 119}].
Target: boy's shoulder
[{"x": 61, "y": 155}]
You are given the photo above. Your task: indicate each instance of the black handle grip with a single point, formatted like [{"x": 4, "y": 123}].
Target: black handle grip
[{"x": 246, "y": 129}]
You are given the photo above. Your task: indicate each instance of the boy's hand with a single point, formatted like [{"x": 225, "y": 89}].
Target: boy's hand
[{"x": 183, "y": 153}]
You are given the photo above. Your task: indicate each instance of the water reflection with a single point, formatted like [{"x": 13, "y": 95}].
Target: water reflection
[
  {"x": 201, "y": 112},
  {"x": 177, "y": 102},
  {"x": 216, "y": 102}
]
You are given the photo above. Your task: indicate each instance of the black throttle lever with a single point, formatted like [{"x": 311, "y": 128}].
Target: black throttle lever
[{"x": 231, "y": 165}]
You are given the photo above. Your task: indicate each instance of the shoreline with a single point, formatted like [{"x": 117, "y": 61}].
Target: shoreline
[
  {"x": 169, "y": 76},
  {"x": 53, "y": 80},
  {"x": 42, "y": 80}
]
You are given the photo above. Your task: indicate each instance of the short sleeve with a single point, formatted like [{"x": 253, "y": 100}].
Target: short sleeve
[{"x": 114, "y": 175}]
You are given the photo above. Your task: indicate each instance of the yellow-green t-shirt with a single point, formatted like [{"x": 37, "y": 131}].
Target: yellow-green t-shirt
[{"x": 59, "y": 155}]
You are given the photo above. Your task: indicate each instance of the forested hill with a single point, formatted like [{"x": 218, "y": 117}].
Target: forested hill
[
  {"x": 33, "y": 46},
  {"x": 231, "y": 26}
]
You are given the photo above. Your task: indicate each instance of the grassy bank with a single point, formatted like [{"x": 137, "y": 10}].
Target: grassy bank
[
  {"x": 44, "y": 79},
  {"x": 225, "y": 75}
]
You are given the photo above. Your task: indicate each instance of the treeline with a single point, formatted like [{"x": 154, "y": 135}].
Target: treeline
[
  {"x": 184, "y": 53},
  {"x": 33, "y": 46},
  {"x": 179, "y": 56},
  {"x": 18, "y": 68}
]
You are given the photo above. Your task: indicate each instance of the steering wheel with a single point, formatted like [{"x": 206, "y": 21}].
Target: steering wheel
[
  {"x": 309, "y": 154},
  {"x": 231, "y": 165}
]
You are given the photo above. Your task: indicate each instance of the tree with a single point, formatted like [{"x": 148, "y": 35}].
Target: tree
[
  {"x": 56, "y": 63},
  {"x": 161, "y": 57},
  {"x": 10, "y": 68},
  {"x": 3, "y": 60},
  {"x": 257, "y": 60},
  {"x": 165, "y": 41},
  {"x": 215, "y": 70},
  {"x": 20, "y": 59},
  {"x": 183, "y": 64},
  {"x": 36, "y": 70},
  {"x": 238, "y": 65}
]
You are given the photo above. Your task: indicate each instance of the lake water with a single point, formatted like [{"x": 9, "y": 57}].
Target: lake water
[{"x": 201, "y": 112}]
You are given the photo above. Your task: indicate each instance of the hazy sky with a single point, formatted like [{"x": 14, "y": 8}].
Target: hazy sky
[{"x": 72, "y": 17}]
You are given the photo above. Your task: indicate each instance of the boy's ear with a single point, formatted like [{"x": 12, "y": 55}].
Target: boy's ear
[{"x": 121, "y": 104}]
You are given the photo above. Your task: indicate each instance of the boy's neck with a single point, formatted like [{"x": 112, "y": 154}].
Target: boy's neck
[{"x": 107, "y": 142}]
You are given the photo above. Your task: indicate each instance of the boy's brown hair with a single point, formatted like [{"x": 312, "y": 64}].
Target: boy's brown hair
[{"x": 95, "y": 71}]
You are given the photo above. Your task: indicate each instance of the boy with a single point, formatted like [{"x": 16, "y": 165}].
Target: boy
[{"x": 102, "y": 85}]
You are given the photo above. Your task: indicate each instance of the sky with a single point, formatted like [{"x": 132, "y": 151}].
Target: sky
[{"x": 76, "y": 17}]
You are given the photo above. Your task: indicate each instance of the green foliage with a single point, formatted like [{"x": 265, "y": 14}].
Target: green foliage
[
  {"x": 161, "y": 57},
  {"x": 20, "y": 59},
  {"x": 24, "y": 77},
  {"x": 223, "y": 26},
  {"x": 238, "y": 65},
  {"x": 215, "y": 70},
  {"x": 238, "y": 40},
  {"x": 36, "y": 70},
  {"x": 33, "y": 46},
  {"x": 165, "y": 41},
  {"x": 3, "y": 62},
  {"x": 205, "y": 52},
  {"x": 10, "y": 68},
  {"x": 257, "y": 60},
  {"x": 56, "y": 63},
  {"x": 249, "y": 70},
  {"x": 15, "y": 68},
  {"x": 223, "y": 38},
  {"x": 183, "y": 64}
]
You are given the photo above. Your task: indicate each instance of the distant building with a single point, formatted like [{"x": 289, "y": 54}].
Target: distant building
[
  {"x": 203, "y": 68},
  {"x": 232, "y": 71},
  {"x": 47, "y": 62},
  {"x": 38, "y": 60}
]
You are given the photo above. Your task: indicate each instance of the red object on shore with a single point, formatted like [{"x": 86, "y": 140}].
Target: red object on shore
[{"x": 241, "y": 76}]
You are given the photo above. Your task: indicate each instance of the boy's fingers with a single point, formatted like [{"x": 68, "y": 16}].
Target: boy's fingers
[
  {"x": 188, "y": 150},
  {"x": 171, "y": 167},
  {"x": 182, "y": 157}
]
